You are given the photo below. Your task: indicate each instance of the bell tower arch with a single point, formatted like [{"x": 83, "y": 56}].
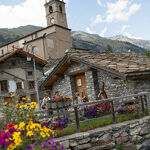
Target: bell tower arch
[{"x": 56, "y": 13}]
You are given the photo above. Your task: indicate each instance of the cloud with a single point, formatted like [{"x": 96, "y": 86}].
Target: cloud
[
  {"x": 98, "y": 20},
  {"x": 130, "y": 36},
  {"x": 121, "y": 10},
  {"x": 102, "y": 33},
  {"x": 99, "y": 2},
  {"x": 25, "y": 13},
  {"x": 89, "y": 30},
  {"x": 124, "y": 27}
]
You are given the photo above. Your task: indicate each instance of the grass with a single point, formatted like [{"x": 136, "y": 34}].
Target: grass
[{"x": 96, "y": 124}]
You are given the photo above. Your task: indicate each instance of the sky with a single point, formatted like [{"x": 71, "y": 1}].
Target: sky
[{"x": 106, "y": 18}]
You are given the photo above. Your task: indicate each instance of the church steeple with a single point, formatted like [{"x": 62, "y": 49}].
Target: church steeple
[{"x": 56, "y": 13}]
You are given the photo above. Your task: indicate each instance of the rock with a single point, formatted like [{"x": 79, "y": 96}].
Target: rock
[
  {"x": 141, "y": 122},
  {"x": 84, "y": 146},
  {"x": 116, "y": 135},
  {"x": 104, "y": 146},
  {"x": 86, "y": 134},
  {"x": 135, "y": 131},
  {"x": 73, "y": 144},
  {"x": 97, "y": 134},
  {"x": 146, "y": 143},
  {"x": 136, "y": 139},
  {"x": 92, "y": 140},
  {"x": 145, "y": 130},
  {"x": 105, "y": 139},
  {"x": 79, "y": 136},
  {"x": 84, "y": 141},
  {"x": 124, "y": 134},
  {"x": 65, "y": 144},
  {"x": 147, "y": 136},
  {"x": 133, "y": 125}
]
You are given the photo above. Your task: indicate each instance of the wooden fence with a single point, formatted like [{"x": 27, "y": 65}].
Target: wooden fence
[{"x": 141, "y": 98}]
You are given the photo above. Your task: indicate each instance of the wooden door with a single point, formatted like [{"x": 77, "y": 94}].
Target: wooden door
[{"x": 80, "y": 82}]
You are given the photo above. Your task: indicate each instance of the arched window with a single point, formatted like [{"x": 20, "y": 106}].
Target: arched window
[
  {"x": 51, "y": 9},
  {"x": 60, "y": 8}
]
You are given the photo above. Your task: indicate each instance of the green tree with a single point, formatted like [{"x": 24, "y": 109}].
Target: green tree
[
  {"x": 147, "y": 53},
  {"x": 108, "y": 49}
]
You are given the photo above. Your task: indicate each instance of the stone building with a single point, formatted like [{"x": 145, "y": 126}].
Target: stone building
[
  {"x": 51, "y": 41},
  {"x": 82, "y": 71},
  {"x": 17, "y": 75}
]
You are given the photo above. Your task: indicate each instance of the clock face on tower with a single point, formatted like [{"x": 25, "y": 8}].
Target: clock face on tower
[{"x": 52, "y": 20}]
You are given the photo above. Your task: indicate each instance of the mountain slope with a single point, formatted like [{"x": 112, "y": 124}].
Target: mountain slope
[
  {"x": 141, "y": 43},
  {"x": 97, "y": 43},
  {"x": 79, "y": 39},
  {"x": 8, "y": 35}
]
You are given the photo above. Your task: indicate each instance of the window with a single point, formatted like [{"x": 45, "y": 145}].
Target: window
[
  {"x": 51, "y": 9},
  {"x": 60, "y": 8},
  {"x": 31, "y": 84},
  {"x": 19, "y": 85},
  {"x": 4, "y": 86},
  {"x": 30, "y": 73}
]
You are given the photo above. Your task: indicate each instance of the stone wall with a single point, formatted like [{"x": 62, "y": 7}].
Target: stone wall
[
  {"x": 114, "y": 87},
  {"x": 134, "y": 134},
  {"x": 66, "y": 86}
]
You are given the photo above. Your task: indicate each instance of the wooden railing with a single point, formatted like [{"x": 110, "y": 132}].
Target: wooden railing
[{"x": 141, "y": 98}]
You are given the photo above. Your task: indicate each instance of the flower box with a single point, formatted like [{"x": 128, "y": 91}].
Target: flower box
[
  {"x": 54, "y": 105},
  {"x": 68, "y": 103},
  {"x": 60, "y": 104},
  {"x": 49, "y": 105}
]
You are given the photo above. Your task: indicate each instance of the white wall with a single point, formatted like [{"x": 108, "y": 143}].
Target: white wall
[{"x": 12, "y": 86}]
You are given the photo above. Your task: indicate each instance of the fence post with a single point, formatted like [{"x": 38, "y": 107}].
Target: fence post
[
  {"x": 77, "y": 119},
  {"x": 113, "y": 112},
  {"x": 145, "y": 99},
  {"x": 142, "y": 105}
]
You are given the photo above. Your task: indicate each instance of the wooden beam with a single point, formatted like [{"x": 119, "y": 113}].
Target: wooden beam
[
  {"x": 79, "y": 71},
  {"x": 138, "y": 77},
  {"x": 59, "y": 75}
]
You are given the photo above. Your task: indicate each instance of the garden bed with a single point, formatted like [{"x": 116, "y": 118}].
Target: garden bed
[{"x": 96, "y": 124}]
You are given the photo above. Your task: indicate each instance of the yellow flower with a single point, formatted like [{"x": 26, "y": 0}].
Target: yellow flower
[
  {"x": 22, "y": 126},
  {"x": 25, "y": 99},
  {"x": 11, "y": 146},
  {"x": 22, "y": 106},
  {"x": 29, "y": 133},
  {"x": 16, "y": 126},
  {"x": 12, "y": 95},
  {"x": 42, "y": 134},
  {"x": 33, "y": 103}
]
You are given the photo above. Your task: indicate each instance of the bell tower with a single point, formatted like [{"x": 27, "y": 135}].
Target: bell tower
[{"x": 56, "y": 13}]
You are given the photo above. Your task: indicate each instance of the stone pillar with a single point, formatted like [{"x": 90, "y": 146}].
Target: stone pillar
[
  {"x": 68, "y": 88},
  {"x": 90, "y": 85}
]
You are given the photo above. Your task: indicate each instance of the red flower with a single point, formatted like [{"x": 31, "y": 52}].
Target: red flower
[
  {"x": 10, "y": 126},
  {"x": 2, "y": 132}
]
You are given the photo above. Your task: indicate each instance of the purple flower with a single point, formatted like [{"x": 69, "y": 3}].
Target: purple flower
[
  {"x": 44, "y": 144},
  {"x": 29, "y": 147}
]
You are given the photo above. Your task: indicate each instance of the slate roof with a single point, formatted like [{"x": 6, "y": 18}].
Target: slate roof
[
  {"x": 122, "y": 65},
  {"x": 24, "y": 53},
  {"x": 121, "y": 62}
]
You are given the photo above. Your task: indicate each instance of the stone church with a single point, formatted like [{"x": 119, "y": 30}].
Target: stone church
[
  {"x": 16, "y": 73},
  {"x": 52, "y": 41}
]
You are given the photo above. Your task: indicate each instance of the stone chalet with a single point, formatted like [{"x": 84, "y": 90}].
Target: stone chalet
[
  {"x": 82, "y": 70},
  {"x": 17, "y": 75}
]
